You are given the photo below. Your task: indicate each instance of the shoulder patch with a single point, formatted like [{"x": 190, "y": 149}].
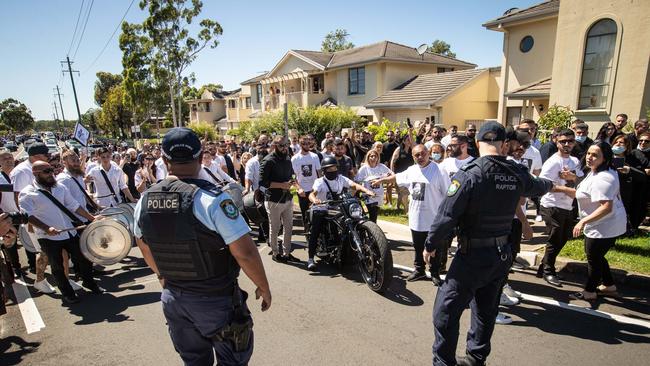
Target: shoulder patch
[
  {"x": 453, "y": 187},
  {"x": 229, "y": 209},
  {"x": 468, "y": 166}
]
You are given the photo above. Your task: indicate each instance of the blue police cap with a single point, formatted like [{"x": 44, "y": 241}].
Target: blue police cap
[
  {"x": 491, "y": 131},
  {"x": 181, "y": 145}
]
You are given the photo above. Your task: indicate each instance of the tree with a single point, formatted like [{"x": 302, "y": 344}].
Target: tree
[
  {"x": 105, "y": 81},
  {"x": 15, "y": 115},
  {"x": 90, "y": 119},
  {"x": 115, "y": 116},
  {"x": 165, "y": 38},
  {"x": 336, "y": 41},
  {"x": 555, "y": 117},
  {"x": 215, "y": 88},
  {"x": 441, "y": 48}
]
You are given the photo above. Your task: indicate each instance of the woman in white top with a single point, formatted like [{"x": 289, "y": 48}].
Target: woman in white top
[
  {"x": 372, "y": 169},
  {"x": 145, "y": 177},
  {"x": 603, "y": 219}
]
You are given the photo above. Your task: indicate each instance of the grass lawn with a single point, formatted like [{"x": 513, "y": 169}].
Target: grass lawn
[
  {"x": 630, "y": 254},
  {"x": 392, "y": 214}
]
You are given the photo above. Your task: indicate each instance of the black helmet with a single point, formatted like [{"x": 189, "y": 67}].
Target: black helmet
[{"x": 328, "y": 162}]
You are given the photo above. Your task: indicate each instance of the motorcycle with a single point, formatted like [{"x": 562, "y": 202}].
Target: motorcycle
[{"x": 348, "y": 236}]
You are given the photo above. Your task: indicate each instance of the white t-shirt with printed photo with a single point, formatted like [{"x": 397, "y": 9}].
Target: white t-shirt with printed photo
[
  {"x": 428, "y": 188},
  {"x": 602, "y": 186},
  {"x": 379, "y": 171},
  {"x": 305, "y": 167},
  {"x": 551, "y": 171},
  {"x": 532, "y": 158}
]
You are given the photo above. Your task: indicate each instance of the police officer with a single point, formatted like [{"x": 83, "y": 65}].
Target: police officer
[
  {"x": 193, "y": 237},
  {"x": 481, "y": 200}
]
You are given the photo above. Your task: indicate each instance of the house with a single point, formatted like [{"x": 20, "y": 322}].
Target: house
[
  {"x": 352, "y": 77},
  {"x": 456, "y": 97},
  {"x": 211, "y": 107},
  {"x": 592, "y": 56}
]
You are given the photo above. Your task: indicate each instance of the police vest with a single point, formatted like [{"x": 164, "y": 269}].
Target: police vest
[
  {"x": 494, "y": 199},
  {"x": 183, "y": 248}
]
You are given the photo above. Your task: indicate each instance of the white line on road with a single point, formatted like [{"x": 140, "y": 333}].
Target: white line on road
[
  {"x": 28, "y": 309},
  {"x": 563, "y": 305}
]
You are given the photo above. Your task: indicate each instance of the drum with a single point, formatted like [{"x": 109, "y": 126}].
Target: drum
[
  {"x": 119, "y": 214},
  {"x": 254, "y": 210},
  {"x": 236, "y": 192},
  {"x": 105, "y": 241},
  {"x": 29, "y": 240},
  {"x": 129, "y": 209}
]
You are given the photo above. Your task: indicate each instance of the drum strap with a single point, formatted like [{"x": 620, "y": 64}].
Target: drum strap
[
  {"x": 216, "y": 180},
  {"x": 89, "y": 200},
  {"x": 108, "y": 183},
  {"x": 57, "y": 203}
]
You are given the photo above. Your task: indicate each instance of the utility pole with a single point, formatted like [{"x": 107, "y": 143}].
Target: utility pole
[
  {"x": 74, "y": 91},
  {"x": 58, "y": 94},
  {"x": 56, "y": 116}
]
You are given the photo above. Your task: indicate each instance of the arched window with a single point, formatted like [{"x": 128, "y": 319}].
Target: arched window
[{"x": 598, "y": 65}]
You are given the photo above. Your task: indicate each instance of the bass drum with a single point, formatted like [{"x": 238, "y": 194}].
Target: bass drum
[
  {"x": 105, "y": 241},
  {"x": 129, "y": 209},
  {"x": 119, "y": 214},
  {"x": 236, "y": 192},
  {"x": 29, "y": 240},
  {"x": 253, "y": 209}
]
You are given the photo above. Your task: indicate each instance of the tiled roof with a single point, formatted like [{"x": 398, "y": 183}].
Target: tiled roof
[
  {"x": 254, "y": 80},
  {"x": 424, "y": 90},
  {"x": 540, "y": 88},
  {"x": 513, "y": 15},
  {"x": 224, "y": 93},
  {"x": 321, "y": 58}
]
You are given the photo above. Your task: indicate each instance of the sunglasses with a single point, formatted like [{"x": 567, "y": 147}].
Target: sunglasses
[
  {"x": 565, "y": 142},
  {"x": 149, "y": 159},
  {"x": 471, "y": 130},
  {"x": 47, "y": 171}
]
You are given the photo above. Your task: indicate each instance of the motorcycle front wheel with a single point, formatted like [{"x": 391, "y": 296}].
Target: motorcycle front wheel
[{"x": 377, "y": 266}]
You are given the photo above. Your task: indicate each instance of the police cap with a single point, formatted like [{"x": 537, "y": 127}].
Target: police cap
[
  {"x": 181, "y": 145},
  {"x": 491, "y": 131}
]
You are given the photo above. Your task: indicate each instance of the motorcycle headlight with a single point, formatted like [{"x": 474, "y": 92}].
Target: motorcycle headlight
[{"x": 355, "y": 211}]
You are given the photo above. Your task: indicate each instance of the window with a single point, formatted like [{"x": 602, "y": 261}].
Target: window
[
  {"x": 248, "y": 102},
  {"x": 597, "y": 65},
  {"x": 232, "y": 103},
  {"x": 445, "y": 69},
  {"x": 526, "y": 44},
  {"x": 259, "y": 93},
  {"x": 357, "y": 81}
]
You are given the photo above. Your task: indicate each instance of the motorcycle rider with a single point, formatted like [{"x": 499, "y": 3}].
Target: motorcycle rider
[{"x": 328, "y": 187}]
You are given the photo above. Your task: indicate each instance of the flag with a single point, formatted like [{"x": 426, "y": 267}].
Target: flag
[{"x": 81, "y": 134}]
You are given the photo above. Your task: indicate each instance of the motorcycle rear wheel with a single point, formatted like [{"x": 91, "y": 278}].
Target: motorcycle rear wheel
[{"x": 377, "y": 268}]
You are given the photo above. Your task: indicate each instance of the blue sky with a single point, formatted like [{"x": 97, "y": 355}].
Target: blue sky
[{"x": 36, "y": 35}]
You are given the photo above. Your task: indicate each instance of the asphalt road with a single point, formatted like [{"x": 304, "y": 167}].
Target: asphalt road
[{"x": 327, "y": 318}]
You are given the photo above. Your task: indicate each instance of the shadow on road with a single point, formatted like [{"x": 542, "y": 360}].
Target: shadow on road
[
  {"x": 108, "y": 308},
  {"x": 13, "y": 348}
]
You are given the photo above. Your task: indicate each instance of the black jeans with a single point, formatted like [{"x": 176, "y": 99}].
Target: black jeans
[
  {"x": 316, "y": 227},
  {"x": 304, "y": 206},
  {"x": 419, "y": 237},
  {"x": 515, "y": 237},
  {"x": 53, "y": 249},
  {"x": 560, "y": 223},
  {"x": 373, "y": 211},
  {"x": 597, "y": 265}
]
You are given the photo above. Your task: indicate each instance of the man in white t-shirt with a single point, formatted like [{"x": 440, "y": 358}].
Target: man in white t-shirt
[
  {"x": 252, "y": 183},
  {"x": 532, "y": 157},
  {"x": 458, "y": 155},
  {"x": 306, "y": 166},
  {"x": 428, "y": 187},
  {"x": 109, "y": 181},
  {"x": 453, "y": 131},
  {"x": 557, "y": 205}
]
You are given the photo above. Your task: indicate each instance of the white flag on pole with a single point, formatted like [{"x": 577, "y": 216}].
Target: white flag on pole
[{"x": 81, "y": 134}]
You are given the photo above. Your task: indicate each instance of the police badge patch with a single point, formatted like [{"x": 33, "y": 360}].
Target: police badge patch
[
  {"x": 453, "y": 187},
  {"x": 229, "y": 209}
]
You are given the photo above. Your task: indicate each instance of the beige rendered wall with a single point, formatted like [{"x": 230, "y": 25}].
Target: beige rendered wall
[
  {"x": 356, "y": 101},
  {"x": 470, "y": 102},
  {"x": 292, "y": 63},
  {"x": 400, "y": 115},
  {"x": 631, "y": 89}
]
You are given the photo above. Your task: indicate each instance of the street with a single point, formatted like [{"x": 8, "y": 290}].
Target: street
[{"x": 326, "y": 318}]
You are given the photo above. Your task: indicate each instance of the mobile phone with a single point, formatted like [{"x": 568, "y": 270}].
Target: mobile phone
[
  {"x": 618, "y": 162},
  {"x": 408, "y": 122}
]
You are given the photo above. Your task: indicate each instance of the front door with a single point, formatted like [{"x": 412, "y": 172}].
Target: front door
[{"x": 513, "y": 116}]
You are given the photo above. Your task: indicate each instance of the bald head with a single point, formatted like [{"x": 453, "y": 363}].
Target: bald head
[
  {"x": 43, "y": 174},
  {"x": 39, "y": 166}
]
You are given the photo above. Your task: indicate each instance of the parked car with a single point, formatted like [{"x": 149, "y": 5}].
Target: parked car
[
  {"x": 28, "y": 143},
  {"x": 52, "y": 146},
  {"x": 71, "y": 144},
  {"x": 11, "y": 146}
]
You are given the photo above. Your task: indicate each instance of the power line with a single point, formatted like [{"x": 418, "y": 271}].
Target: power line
[
  {"x": 81, "y": 37},
  {"x": 74, "y": 35},
  {"x": 111, "y": 37}
]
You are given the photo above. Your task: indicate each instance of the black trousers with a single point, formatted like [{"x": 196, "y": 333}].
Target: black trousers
[
  {"x": 515, "y": 237},
  {"x": 54, "y": 249},
  {"x": 315, "y": 229},
  {"x": 597, "y": 266},
  {"x": 419, "y": 237},
  {"x": 373, "y": 211},
  {"x": 304, "y": 204},
  {"x": 559, "y": 222}
]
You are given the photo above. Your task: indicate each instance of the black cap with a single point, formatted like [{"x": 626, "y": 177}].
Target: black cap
[
  {"x": 181, "y": 145},
  {"x": 37, "y": 148},
  {"x": 491, "y": 131}
]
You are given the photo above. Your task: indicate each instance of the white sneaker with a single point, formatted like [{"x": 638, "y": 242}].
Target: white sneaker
[
  {"x": 538, "y": 218},
  {"x": 310, "y": 264},
  {"x": 507, "y": 300},
  {"x": 44, "y": 287},
  {"x": 503, "y": 319},
  {"x": 75, "y": 286},
  {"x": 511, "y": 293}
]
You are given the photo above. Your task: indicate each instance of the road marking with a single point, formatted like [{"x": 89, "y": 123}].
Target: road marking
[
  {"x": 543, "y": 300},
  {"x": 29, "y": 311}
]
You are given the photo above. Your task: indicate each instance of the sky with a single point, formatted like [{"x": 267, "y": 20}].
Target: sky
[{"x": 35, "y": 35}]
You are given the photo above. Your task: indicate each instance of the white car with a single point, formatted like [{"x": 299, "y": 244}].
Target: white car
[{"x": 52, "y": 146}]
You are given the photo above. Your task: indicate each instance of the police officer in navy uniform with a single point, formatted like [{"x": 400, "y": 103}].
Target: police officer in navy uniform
[
  {"x": 481, "y": 202},
  {"x": 193, "y": 237}
]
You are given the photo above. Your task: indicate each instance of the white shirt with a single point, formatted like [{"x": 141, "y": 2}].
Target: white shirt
[
  {"x": 22, "y": 176},
  {"x": 8, "y": 203},
  {"x": 220, "y": 160},
  {"x": 35, "y": 203},
  {"x": 451, "y": 165},
  {"x": 115, "y": 177},
  {"x": 305, "y": 167},
  {"x": 323, "y": 192},
  {"x": 533, "y": 159},
  {"x": 65, "y": 178},
  {"x": 161, "y": 169},
  {"x": 253, "y": 172},
  {"x": 90, "y": 166},
  {"x": 551, "y": 171},
  {"x": 602, "y": 186},
  {"x": 217, "y": 171},
  {"x": 379, "y": 171},
  {"x": 446, "y": 140},
  {"x": 296, "y": 148},
  {"x": 428, "y": 188}
]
